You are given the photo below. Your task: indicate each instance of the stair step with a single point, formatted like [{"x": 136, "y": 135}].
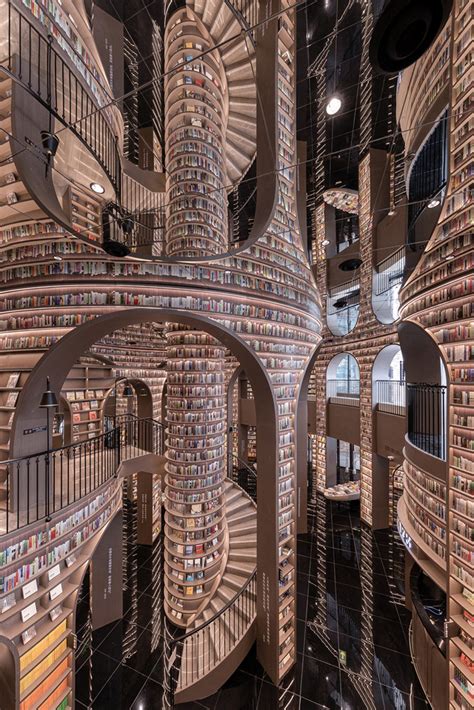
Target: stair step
[
  {"x": 236, "y": 505},
  {"x": 241, "y": 121},
  {"x": 246, "y": 528},
  {"x": 242, "y": 70},
  {"x": 244, "y": 517},
  {"x": 239, "y": 136},
  {"x": 235, "y": 51},
  {"x": 242, "y": 556},
  {"x": 225, "y": 593},
  {"x": 240, "y": 568},
  {"x": 244, "y": 541},
  {"x": 221, "y": 23},
  {"x": 235, "y": 581}
]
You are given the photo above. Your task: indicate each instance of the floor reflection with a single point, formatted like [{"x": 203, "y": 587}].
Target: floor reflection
[{"x": 353, "y": 651}]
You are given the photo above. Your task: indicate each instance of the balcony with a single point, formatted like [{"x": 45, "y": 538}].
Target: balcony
[{"x": 427, "y": 426}]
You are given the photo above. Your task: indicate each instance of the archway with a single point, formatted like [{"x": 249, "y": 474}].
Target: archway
[{"x": 57, "y": 362}]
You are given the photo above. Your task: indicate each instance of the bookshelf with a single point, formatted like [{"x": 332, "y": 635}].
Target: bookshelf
[
  {"x": 82, "y": 399},
  {"x": 439, "y": 296},
  {"x": 40, "y": 572},
  {"x": 53, "y": 282}
]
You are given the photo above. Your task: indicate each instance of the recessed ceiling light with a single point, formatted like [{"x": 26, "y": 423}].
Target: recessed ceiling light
[
  {"x": 333, "y": 105},
  {"x": 57, "y": 258},
  {"x": 325, "y": 242},
  {"x": 97, "y": 188},
  {"x": 433, "y": 203}
]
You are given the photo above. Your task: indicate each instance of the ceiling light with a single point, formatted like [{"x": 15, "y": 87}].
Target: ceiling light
[
  {"x": 433, "y": 203},
  {"x": 97, "y": 188},
  {"x": 391, "y": 213},
  {"x": 325, "y": 242},
  {"x": 57, "y": 258},
  {"x": 333, "y": 105},
  {"x": 449, "y": 257}
]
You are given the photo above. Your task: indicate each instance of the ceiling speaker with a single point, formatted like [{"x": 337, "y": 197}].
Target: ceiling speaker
[{"x": 404, "y": 30}]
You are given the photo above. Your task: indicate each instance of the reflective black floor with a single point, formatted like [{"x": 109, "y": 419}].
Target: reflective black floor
[{"x": 353, "y": 650}]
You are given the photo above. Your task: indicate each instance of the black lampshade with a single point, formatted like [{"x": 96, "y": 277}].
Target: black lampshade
[
  {"x": 49, "y": 398},
  {"x": 404, "y": 30},
  {"x": 50, "y": 142},
  {"x": 127, "y": 391}
]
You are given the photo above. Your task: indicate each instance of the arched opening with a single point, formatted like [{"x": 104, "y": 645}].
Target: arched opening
[
  {"x": 389, "y": 381},
  {"x": 343, "y": 380},
  {"x": 427, "y": 390},
  {"x": 61, "y": 357}
]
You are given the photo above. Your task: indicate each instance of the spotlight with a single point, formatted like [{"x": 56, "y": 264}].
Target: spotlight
[
  {"x": 57, "y": 258},
  {"x": 50, "y": 143},
  {"x": 333, "y": 105},
  {"x": 325, "y": 242},
  {"x": 391, "y": 213},
  {"x": 97, "y": 188},
  {"x": 435, "y": 202}
]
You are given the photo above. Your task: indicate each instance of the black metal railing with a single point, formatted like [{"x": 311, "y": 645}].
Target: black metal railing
[
  {"x": 344, "y": 391},
  {"x": 37, "y": 486},
  {"x": 42, "y": 70},
  {"x": 244, "y": 475},
  {"x": 192, "y": 655},
  {"x": 390, "y": 396},
  {"x": 426, "y": 406}
]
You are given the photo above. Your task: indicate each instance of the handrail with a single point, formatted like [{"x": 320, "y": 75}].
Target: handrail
[
  {"x": 230, "y": 623},
  {"x": 44, "y": 74},
  {"x": 39, "y": 484},
  {"x": 219, "y": 613},
  {"x": 239, "y": 465}
]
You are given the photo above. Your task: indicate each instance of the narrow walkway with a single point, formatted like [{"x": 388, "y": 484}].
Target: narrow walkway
[{"x": 353, "y": 649}]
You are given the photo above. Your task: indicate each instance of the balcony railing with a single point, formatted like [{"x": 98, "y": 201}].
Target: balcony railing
[
  {"x": 390, "y": 396},
  {"x": 343, "y": 391},
  {"x": 44, "y": 73},
  {"x": 34, "y": 487},
  {"x": 245, "y": 475},
  {"x": 426, "y": 406}
]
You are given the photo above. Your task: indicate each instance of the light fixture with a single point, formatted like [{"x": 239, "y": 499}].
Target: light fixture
[
  {"x": 325, "y": 242},
  {"x": 333, "y": 105},
  {"x": 48, "y": 400},
  {"x": 433, "y": 203},
  {"x": 50, "y": 143},
  {"x": 57, "y": 258},
  {"x": 127, "y": 391},
  {"x": 449, "y": 257},
  {"x": 97, "y": 188},
  {"x": 391, "y": 213}
]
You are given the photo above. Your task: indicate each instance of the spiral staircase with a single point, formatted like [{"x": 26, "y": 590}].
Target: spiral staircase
[{"x": 237, "y": 51}]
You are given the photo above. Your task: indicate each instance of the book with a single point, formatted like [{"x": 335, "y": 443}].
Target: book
[{"x": 13, "y": 379}]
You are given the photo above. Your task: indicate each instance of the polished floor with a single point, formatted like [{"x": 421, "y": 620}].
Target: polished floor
[{"x": 353, "y": 648}]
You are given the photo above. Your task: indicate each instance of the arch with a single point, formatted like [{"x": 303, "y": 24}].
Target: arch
[
  {"x": 142, "y": 392},
  {"x": 301, "y": 435},
  {"x": 332, "y": 373},
  {"x": 386, "y": 389},
  {"x": 57, "y": 362}
]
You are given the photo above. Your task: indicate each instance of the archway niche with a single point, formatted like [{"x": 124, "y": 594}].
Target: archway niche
[{"x": 57, "y": 362}]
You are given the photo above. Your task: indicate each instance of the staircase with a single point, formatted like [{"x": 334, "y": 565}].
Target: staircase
[
  {"x": 238, "y": 58},
  {"x": 223, "y": 633}
]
